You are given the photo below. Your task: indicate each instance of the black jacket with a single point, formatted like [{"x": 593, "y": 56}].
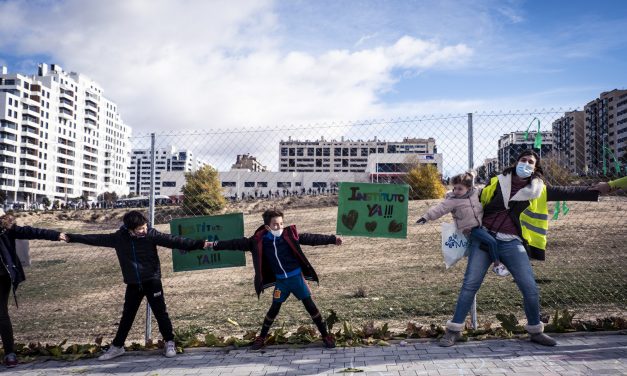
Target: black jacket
[
  {"x": 553, "y": 193},
  {"x": 11, "y": 264},
  {"x": 264, "y": 276},
  {"x": 138, "y": 257}
]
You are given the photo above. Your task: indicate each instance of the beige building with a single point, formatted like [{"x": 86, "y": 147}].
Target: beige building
[
  {"x": 248, "y": 162},
  {"x": 568, "y": 141},
  {"x": 347, "y": 155}
]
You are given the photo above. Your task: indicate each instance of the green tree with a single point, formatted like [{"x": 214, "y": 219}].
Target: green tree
[
  {"x": 202, "y": 193},
  {"x": 46, "y": 202},
  {"x": 3, "y": 197},
  {"x": 425, "y": 182}
]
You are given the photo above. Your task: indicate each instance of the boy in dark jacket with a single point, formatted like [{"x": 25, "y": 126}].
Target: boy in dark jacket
[
  {"x": 280, "y": 262},
  {"x": 136, "y": 247}
]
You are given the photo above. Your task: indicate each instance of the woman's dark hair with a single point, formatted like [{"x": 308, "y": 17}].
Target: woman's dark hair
[
  {"x": 269, "y": 214},
  {"x": 537, "y": 173},
  {"x": 7, "y": 221},
  {"x": 134, "y": 219}
]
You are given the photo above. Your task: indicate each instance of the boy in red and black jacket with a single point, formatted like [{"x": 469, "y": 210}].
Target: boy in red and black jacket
[{"x": 279, "y": 261}]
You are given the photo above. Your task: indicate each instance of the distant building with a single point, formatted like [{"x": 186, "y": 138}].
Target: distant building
[
  {"x": 488, "y": 169},
  {"x": 60, "y": 137},
  {"x": 605, "y": 131},
  {"x": 512, "y": 144},
  {"x": 347, "y": 155},
  {"x": 568, "y": 141},
  {"x": 247, "y": 162},
  {"x": 166, "y": 160}
]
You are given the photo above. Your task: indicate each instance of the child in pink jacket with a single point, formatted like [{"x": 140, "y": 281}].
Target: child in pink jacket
[{"x": 463, "y": 203}]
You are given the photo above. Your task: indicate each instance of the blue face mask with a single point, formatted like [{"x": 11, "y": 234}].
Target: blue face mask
[{"x": 524, "y": 170}]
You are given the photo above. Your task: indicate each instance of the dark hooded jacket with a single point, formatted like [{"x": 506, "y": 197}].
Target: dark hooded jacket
[
  {"x": 138, "y": 256},
  {"x": 10, "y": 262},
  {"x": 264, "y": 276}
]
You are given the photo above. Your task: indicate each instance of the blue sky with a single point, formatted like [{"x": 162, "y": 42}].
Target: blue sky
[{"x": 243, "y": 63}]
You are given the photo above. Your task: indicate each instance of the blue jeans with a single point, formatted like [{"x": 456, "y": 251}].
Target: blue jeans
[
  {"x": 514, "y": 256},
  {"x": 481, "y": 235}
]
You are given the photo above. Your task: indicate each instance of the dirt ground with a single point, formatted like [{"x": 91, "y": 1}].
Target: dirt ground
[{"x": 76, "y": 292}]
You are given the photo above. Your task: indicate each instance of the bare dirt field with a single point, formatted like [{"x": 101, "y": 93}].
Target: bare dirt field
[{"x": 76, "y": 292}]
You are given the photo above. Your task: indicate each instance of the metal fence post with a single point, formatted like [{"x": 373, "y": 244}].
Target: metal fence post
[
  {"x": 471, "y": 164},
  {"x": 151, "y": 220}
]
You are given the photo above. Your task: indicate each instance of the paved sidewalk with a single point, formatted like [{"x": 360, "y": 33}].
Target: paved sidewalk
[{"x": 591, "y": 354}]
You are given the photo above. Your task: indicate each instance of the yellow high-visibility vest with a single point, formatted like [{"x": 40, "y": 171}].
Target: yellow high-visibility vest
[{"x": 534, "y": 220}]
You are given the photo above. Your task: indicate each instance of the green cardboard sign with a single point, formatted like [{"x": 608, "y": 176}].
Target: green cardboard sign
[
  {"x": 218, "y": 227},
  {"x": 373, "y": 210}
]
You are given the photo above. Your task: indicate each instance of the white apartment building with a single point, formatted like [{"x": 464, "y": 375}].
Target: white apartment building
[
  {"x": 166, "y": 160},
  {"x": 568, "y": 141},
  {"x": 344, "y": 155},
  {"x": 620, "y": 146},
  {"x": 60, "y": 137}
]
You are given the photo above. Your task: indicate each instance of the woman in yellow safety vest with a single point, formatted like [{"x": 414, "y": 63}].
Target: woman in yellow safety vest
[{"x": 515, "y": 212}]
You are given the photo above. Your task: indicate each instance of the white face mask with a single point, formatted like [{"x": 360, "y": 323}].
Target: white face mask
[
  {"x": 524, "y": 170},
  {"x": 276, "y": 233}
]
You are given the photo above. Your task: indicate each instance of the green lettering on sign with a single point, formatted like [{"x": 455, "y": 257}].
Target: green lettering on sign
[
  {"x": 212, "y": 228},
  {"x": 373, "y": 210}
]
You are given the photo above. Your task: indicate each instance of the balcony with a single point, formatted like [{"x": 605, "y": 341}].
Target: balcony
[
  {"x": 66, "y": 104},
  {"x": 28, "y": 141},
  {"x": 67, "y": 94},
  {"x": 90, "y": 103},
  {"x": 33, "y": 121}
]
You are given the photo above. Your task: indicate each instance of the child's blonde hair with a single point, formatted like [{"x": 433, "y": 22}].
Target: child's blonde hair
[{"x": 466, "y": 179}]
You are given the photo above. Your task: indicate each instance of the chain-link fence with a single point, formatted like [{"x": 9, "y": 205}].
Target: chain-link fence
[{"x": 76, "y": 291}]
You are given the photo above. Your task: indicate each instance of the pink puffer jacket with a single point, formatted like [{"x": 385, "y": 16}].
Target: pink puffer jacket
[{"x": 467, "y": 212}]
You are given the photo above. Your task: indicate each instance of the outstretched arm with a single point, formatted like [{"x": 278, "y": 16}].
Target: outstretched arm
[
  {"x": 98, "y": 240},
  {"x": 243, "y": 244},
  {"x": 318, "y": 239},
  {"x": 559, "y": 193},
  {"x": 27, "y": 232},
  {"x": 438, "y": 211},
  {"x": 178, "y": 242}
]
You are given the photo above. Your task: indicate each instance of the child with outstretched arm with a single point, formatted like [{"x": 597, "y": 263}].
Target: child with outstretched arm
[
  {"x": 136, "y": 247},
  {"x": 463, "y": 203},
  {"x": 279, "y": 261}
]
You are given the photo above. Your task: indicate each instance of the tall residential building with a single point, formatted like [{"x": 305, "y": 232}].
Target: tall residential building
[
  {"x": 511, "y": 144},
  {"x": 166, "y": 159},
  {"x": 621, "y": 129},
  {"x": 60, "y": 137},
  {"x": 345, "y": 155},
  {"x": 488, "y": 169},
  {"x": 568, "y": 141},
  {"x": 601, "y": 131},
  {"x": 248, "y": 162}
]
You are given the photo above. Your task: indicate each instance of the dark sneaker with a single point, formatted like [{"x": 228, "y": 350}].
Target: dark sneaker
[
  {"x": 258, "y": 343},
  {"x": 329, "y": 341},
  {"x": 10, "y": 360},
  {"x": 542, "y": 339},
  {"x": 449, "y": 338}
]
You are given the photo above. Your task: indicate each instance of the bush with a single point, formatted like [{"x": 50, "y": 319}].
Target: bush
[
  {"x": 425, "y": 183},
  {"x": 202, "y": 192}
]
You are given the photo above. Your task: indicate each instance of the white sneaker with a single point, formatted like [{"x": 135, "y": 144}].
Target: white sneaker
[
  {"x": 170, "y": 349},
  {"x": 113, "y": 352},
  {"x": 501, "y": 270}
]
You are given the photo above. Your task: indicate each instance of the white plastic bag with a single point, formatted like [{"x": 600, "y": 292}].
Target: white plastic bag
[
  {"x": 454, "y": 244},
  {"x": 22, "y": 248}
]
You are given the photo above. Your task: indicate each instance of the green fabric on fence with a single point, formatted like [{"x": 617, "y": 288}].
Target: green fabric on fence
[{"x": 556, "y": 210}]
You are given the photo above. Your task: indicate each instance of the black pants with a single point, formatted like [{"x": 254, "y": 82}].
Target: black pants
[
  {"x": 6, "y": 329},
  {"x": 153, "y": 291}
]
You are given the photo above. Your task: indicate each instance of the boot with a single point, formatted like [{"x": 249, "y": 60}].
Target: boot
[
  {"x": 452, "y": 334},
  {"x": 536, "y": 334}
]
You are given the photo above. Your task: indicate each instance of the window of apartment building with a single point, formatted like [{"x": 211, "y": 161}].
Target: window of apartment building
[
  {"x": 262, "y": 184},
  {"x": 337, "y": 152},
  {"x": 229, "y": 184},
  {"x": 319, "y": 184},
  {"x": 345, "y": 163},
  {"x": 249, "y": 184},
  {"x": 300, "y": 152},
  {"x": 353, "y": 152},
  {"x": 364, "y": 152},
  {"x": 310, "y": 152},
  {"x": 319, "y": 163},
  {"x": 298, "y": 184},
  {"x": 326, "y": 152},
  {"x": 284, "y": 184},
  {"x": 168, "y": 184},
  {"x": 345, "y": 152}
]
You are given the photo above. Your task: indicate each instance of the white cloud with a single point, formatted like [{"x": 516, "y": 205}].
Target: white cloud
[{"x": 210, "y": 65}]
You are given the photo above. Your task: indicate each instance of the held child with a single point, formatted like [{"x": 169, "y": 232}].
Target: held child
[
  {"x": 463, "y": 203},
  {"x": 136, "y": 248},
  {"x": 280, "y": 262}
]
